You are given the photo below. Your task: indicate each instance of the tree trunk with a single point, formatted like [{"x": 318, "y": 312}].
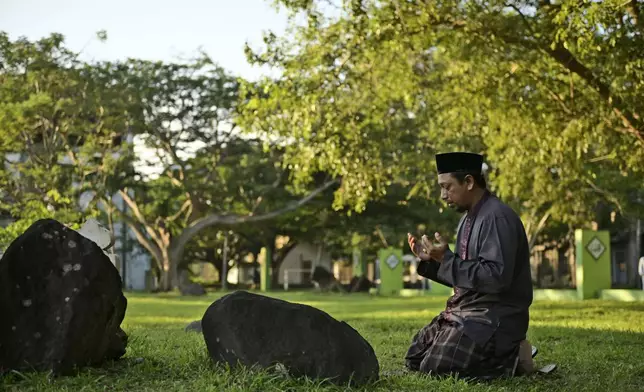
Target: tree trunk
[
  {"x": 167, "y": 280},
  {"x": 275, "y": 266},
  {"x": 278, "y": 257},
  {"x": 168, "y": 252},
  {"x": 164, "y": 281},
  {"x": 572, "y": 261},
  {"x": 178, "y": 245},
  {"x": 535, "y": 233},
  {"x": 197, "y": 226}
]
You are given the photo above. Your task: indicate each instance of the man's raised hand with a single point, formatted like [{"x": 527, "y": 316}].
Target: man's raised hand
[
  {"x": 436, "y": 252},
  {"x": 419, "y": 250}
]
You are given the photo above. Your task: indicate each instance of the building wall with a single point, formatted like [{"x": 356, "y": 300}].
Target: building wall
[
  {"x": 625, "y": 254},
  {"x": 301, "y": 261},
  {"x": 245, "y": 275},
  {"x": 132, "y": 261}
]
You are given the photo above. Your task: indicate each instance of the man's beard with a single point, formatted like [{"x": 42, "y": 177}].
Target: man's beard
[
  {"x": 456, "y": 207},
  {"x": 460, "y": 209}
]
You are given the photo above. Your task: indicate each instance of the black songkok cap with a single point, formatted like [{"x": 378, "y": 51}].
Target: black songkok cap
[{"x": 453, "y": 162}]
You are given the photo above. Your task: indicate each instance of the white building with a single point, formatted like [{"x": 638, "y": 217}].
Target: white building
[{"x": 300, "y": 262}]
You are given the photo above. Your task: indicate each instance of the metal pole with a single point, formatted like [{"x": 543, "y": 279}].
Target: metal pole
[
  {"x": 224, "y": 269},
  {"x": 125, "y": 244},
  {"x": 638, "y": 246},
  {"x": 285, "y": 280}
]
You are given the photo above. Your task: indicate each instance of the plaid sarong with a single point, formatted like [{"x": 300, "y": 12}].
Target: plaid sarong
[{"x": 441, "y": 347}]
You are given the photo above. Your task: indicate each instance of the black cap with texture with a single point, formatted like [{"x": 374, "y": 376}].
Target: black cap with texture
[{"x": 453, "y": 162}]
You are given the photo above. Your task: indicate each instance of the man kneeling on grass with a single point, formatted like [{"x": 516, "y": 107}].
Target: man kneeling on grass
[{"x": 482, "y": 331}]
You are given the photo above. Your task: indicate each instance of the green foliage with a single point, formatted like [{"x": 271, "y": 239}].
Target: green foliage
[
  {"x": 33, "y": 210},
  {"x": 182, "y": 117},
  {"x": 548, "y": 92},
  {"x": 54, "y": 117}
]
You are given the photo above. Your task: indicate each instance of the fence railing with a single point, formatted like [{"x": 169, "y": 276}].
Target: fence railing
[
  {"x": 290, "y": 271},
  {"x": 552, "y": 267}
]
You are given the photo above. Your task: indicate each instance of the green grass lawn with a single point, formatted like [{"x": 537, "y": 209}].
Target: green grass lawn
[{"x": 598, "y": 345}]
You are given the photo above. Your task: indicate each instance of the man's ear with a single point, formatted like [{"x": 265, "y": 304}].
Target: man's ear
[{"x": 469, "y": 180}]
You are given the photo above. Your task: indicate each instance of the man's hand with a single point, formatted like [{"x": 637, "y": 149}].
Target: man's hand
[
  {"x": 436, "y": 252},
  {"x": 420, "y": 251}
]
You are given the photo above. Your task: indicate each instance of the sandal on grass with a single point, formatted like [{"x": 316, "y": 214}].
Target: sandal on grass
[{"x": 549, "y": 368}]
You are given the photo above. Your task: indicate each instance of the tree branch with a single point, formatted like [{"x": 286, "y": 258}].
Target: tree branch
[
  {"x": 260, "y": 198},
  {"x": 184, "y": 207},
  {"x": 212, "y": 220},
  {"x": 173, "y": 179},
  {"x": 540, "y": 226},
  {"x": 170, "y": 149},
  {"x": 381, "y": 236},
  {"x": 633, "y": 8},
  {"x": 606, "y": 194},
  {"x": 552, "y": 94},
  {"x": 564, "y": 57},
  {"x": 139, "y": 216},
  {"x": 281, "y": 253},
  {"x": 140, "y": 237}
]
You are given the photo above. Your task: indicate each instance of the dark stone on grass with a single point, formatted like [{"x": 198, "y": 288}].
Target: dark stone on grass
[
  {"x": 360, "y": 284},
  {"x": 322, "y": 276},
  {"x": 194, "y": 326},
  {"x": 186, "y": 287},
  {"x": 61, "y": 302},
  {"x": 193, "y": 289},
  {"x": 325, "y": 281},
  {"x": 251, "y": 329}
]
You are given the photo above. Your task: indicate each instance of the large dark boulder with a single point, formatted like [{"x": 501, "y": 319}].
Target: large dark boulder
[
  {"x": 61, "y": 303},
  {"x": 250, "y": 329}
]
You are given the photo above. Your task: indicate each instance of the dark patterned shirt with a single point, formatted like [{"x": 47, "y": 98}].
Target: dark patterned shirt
[
  {"x": 465, "y": 239},
  {"x": 467, "y": 226}
]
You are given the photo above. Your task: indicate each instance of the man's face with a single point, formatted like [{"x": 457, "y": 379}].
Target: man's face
[{"x": 455, "y": 194}]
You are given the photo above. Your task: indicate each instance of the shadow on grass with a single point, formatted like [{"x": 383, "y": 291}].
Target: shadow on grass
[
  {"x": 590, "y": 304},
  {"x": 341, "y": 305},
  {"x": 593, "y": 348},
  {"x": 173, "y": 360}
]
